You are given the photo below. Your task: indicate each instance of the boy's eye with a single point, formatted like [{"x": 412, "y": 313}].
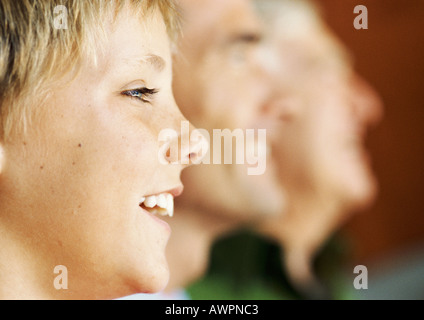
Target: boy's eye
[{"x": 142, "y": 94}]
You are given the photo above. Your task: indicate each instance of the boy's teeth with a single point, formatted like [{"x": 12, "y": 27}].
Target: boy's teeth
[
  {"x": 170, "y": 204},
  {"x": 150, "y": 202},
  {"x": 162, "y": 204},
  {"x": 162, "y": 201},
  {"x": 162, "y": 211}
]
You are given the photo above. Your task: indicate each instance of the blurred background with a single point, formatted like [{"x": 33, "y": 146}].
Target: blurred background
[{"x": 389, "y": 238}]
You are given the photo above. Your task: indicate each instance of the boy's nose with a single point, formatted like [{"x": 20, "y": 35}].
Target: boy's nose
[{"x": 187, "y": 146}]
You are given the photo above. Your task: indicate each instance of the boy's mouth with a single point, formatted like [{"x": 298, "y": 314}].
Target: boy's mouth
[{"x": 162, "y": 204}]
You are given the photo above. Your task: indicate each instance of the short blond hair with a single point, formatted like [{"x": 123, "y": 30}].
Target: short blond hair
[{"x": 34, "y": 51}]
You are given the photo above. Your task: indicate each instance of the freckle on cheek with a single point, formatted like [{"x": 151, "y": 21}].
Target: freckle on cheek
[{"x": 80, "y": 145}]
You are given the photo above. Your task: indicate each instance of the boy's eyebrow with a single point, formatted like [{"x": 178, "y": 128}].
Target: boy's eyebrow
[
  {"x": 152, "y": 59},
  {"x": 157, "y": 62}
]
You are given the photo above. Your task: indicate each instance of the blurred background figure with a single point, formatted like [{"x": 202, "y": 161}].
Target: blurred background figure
[
  {"x": 325, "y": 111},
  {"x": 389, "y": 238},
  {"x": 322, "y": 112}
]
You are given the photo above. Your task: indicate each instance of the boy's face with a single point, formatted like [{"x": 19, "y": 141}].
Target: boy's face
[
  {"x": 89, "y": 157},
  {"x": 221, "y": 84}
]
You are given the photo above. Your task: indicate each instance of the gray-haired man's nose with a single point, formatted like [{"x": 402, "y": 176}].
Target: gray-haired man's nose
[{"x": 368, "y": 105}]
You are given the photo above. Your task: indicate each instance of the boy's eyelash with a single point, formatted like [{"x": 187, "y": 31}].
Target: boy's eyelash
[{"x": 143, "y": 94}]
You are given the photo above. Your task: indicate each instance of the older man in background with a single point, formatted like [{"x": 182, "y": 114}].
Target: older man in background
[{"x": 325, "y": 111}]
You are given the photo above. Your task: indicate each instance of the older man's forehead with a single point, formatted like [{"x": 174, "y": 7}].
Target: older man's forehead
[
  {"x": 220, "y": 16},
  {"x": 242, "y": 17}
]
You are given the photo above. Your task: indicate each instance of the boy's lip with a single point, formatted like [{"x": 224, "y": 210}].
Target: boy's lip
[{"x": 158, "y": 220}]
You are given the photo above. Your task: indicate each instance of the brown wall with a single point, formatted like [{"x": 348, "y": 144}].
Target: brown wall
[{"x": 390, "y": 55}]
